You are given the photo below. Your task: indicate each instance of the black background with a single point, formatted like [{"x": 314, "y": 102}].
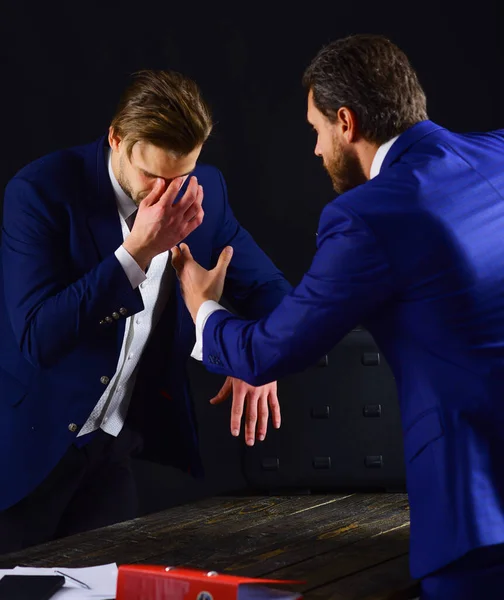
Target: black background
[{"x": 65, "y": 64}]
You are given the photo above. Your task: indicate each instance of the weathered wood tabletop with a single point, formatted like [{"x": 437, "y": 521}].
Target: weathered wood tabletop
[{"x": 345, "y": 546}]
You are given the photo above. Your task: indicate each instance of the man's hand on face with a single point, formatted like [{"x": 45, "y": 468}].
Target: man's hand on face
[
  {"x": 196, "y": 283},
  {"x": 260, "y": 401},
  {"x": 160, "y": 224}
]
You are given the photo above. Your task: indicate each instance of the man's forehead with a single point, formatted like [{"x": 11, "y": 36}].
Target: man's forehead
[
  {"x": 147, "y": 152},
  {"x": 160, "y": 163},
  {"x": 310, "y": 111}
]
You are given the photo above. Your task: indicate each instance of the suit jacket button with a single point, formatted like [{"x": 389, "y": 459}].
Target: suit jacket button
[
  {"x": 102, "y": 322},
  {"x": 104, "y": 379},
  {"x": 108, "y": 319},
  {"x": 123, "y": 311},
  {"x": 115, "y": 315},
  {"x": 72, "y": 427}
]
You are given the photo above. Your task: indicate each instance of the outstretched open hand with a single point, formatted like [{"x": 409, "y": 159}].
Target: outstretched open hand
[
  {"x": 255, "y": 404},
  {"x": 196, "y": 283}
]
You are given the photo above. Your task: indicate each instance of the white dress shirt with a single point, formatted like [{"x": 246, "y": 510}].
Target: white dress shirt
[
  {"x": 210, "y": 306},
  {"x": 110, "y": 412},
  {"x": 379, "y": 157}
]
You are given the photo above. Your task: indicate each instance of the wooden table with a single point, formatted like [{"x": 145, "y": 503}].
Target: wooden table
[{"x": 345, "y": 546}]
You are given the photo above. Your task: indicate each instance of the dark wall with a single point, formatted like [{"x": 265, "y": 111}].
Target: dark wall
[
  {"x": 65, "y": 65},
  {"x": 63, "y": 69}
]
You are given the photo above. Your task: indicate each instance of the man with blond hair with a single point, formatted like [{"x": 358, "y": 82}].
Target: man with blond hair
[{"x": 94, "y": 335}]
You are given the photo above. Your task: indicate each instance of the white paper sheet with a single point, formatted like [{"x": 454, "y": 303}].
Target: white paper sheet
[{"x": 102, "y": 580}]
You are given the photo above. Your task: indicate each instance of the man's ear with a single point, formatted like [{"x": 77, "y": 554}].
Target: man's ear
[
  {"x": 113, "y": 139},
  {"x": 348, "y": 125}
]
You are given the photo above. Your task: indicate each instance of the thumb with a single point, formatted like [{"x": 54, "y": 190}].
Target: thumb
[{"x": 224, "y": 259}]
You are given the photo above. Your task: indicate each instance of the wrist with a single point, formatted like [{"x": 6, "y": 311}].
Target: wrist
[
  {"x": 139, "y": 253},
  {"x": 196, "y": 305}
]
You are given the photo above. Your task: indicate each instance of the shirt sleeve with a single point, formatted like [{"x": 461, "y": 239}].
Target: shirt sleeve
[
  {"x": 205, "y": 310},
  {"x": 130, "y": 266}
]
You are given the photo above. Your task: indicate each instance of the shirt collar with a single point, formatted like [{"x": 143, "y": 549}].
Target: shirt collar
[
  {"x": 379, "y": 157},
  {"x": 125, "y": 204}
]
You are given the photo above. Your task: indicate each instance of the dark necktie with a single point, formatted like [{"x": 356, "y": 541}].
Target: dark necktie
[{"x": 131, "y": 219}]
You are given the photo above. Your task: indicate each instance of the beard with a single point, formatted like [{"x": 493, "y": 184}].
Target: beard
[
  {"x": 344, "y": 169},
  {"x": 126, "y": 187}
]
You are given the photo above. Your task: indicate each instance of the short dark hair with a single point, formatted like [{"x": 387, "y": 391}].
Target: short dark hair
[
  {"x": 164, "y": 108},
  {"x": 374, "y": 78}
]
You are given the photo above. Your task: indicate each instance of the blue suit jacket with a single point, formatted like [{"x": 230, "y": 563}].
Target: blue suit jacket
[
  {"x": 59, "y": 279},
  {"x": 417, "y": 255}
]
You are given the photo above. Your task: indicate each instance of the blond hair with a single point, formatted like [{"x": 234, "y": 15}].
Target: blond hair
[{"x": 163, "y": 108}]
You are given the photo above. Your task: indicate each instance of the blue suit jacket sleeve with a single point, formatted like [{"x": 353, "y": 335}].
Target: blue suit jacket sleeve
[
  {"x": 348, "y": 278},
  {"x": 49, "y": 313},
  {"x": 254, "y": 286}
]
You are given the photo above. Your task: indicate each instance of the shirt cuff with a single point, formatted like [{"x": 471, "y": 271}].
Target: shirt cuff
[
  {"x": 205, "y": 310},
  {"x": 133, "y": 272}
]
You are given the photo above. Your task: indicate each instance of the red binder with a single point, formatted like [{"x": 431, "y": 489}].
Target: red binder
[{"x": 150, "y": 582}]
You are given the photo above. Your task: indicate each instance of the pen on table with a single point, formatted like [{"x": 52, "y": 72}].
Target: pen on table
[{"x": 73, "y": 579}]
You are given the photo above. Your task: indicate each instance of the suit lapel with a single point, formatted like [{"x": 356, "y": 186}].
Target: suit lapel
[{"x": 103, "y": 217}]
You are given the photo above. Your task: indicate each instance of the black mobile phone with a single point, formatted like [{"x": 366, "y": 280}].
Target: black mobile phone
[{"x": 30, "y": 587}]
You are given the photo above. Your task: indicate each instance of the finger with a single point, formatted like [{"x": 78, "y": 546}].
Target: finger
[
  {"x": 224, "y": 392},
  {"x": 237, "y": 410},
  {"x": 181, "y": 255},
  {"x": 171, "y": 191},
  {"x": 274, "y": 405},
  {"x": 224, "y": 259},
  {"x": 156, "y": 192},
  {"x": 262, "y": 416},
  {"x": 251, "y": 417},
  {"x": 187, "y": 199},
  {"x": 177, "y": 259},
  {"x": 194, "y": 222},
  {"x": 186, "y": 252},
  {"x": 195, "y": 207}
]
